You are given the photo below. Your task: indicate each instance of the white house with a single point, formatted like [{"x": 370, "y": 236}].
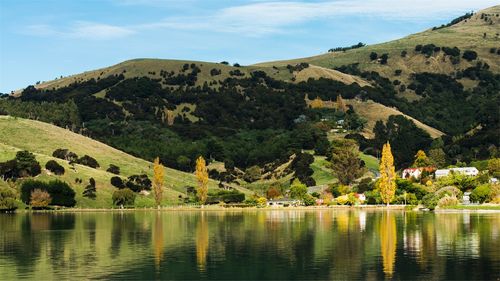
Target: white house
[
  {"x": 416, "y": 172},
  {"x": 468, "y": 171}
]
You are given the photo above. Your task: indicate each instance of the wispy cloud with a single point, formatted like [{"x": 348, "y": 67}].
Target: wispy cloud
[
  {"x": 260, "y": 18},
  {"x": 82, "y": 30}
]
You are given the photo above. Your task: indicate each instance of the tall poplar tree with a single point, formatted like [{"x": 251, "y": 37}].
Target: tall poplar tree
[
  {"x": 202, "y": 177},
  {"x": 159, "y": 172},
  {"x": 341, "y": 104},
  {"x": 387, "y": 184}
]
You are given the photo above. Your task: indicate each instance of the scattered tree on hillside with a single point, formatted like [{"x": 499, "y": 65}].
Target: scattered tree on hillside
[
  {"x": 469, "y": 55},
  {"x": 159, "y": 172},
  {"x": 345, "y": 161},
  {"x": 384, "y": 58},
  {"x": 90, "y": 189},
  {"x": 421, "y": 159},
  {"x": 373, "y": 56},
  {"x": 113, "y": 169},
  {"x": 341, "y": 104},
  {"x": 54, "y": 167},
  {"x": 202, "y": 177},
  {"x": 387, "y": 184}
]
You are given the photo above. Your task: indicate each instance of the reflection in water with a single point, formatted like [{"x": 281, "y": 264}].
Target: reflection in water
[
  {"x": 202, "y": 242},
  {"x": 252, "y": 245},
  {"x": 158, "y": 240},
  {"x": 388, "y": 242}
]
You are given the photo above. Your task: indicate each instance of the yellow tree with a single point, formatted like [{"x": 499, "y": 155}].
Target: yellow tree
[
  {"x": 159, "y": 172},
  {"x": 341, "y": 104},
  {"x": 421, "y": 159},
  {"x": 387, "y": 184},
  {"x": 202, "y": 177},
  {"x": 317, "y": 103}
]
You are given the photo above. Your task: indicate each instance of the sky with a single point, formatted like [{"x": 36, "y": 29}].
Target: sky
[{"x": 44, "y": 39}]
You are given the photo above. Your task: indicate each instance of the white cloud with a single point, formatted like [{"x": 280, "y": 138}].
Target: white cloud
[{"x": 82, "y": 30}]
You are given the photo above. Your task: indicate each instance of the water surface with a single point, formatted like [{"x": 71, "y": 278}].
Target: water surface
[{"x": 263, "y": 245}]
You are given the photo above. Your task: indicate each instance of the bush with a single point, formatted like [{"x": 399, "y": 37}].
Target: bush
[
  {"x": 88, "y": 161},
  {"x": 309, "y": 200},
  {"x": 373, "y": 197},
  {"x": 342, "y": 200},
  {"x": 430, "y": 201},
  {"x": 447, "y": 201},
  {"x": 7, "y": 200},
  {"x": 409, "y": 199},
  {"x": 138, "y": 183},
  {"x": 233, "y": 196},
  {"x": 90, "y": 189},
  {"x": 252, "y": 174},
  {"x": 113, "y": 169},
  {"x": 384, "y": 58},
  {"x": 117, "y": 182},
  {"x": 481, "y": 193},
  {"x": 40, "y": 199},
  {"x": 61, "y": 192},
  {"x": 123, "y": 197},
  {"x": 373, "y": 56},
  {"x": 54, "y": 167},
  {"x": 469, "y": 55},
  {"x": 65, "y": 154}
]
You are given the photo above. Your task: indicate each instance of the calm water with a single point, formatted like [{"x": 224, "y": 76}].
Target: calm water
[{"x": 267, "y": 244}]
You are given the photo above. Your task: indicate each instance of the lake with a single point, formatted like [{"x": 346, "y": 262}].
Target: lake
[{"x": 250, "y": 244}]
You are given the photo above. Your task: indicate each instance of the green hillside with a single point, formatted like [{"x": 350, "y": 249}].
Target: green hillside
[{"x": 42, "y": 139}]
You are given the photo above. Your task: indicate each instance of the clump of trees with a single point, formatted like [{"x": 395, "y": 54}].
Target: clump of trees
[
  {"x": 86, "y": 160},
  {"x": 343, "y": 49},
  {"x": 455, "y": 21},
  {"x": 226, "y": 196},
  {"x": 7, "y": 200},
  {"x": 23, "y": 165},
  {"x": 54, "y": 167},
  {"x": 60, "y": 192}
]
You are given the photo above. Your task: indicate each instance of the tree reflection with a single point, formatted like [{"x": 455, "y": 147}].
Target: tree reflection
[
  {"x": 202, "y": 242},
  {"x": 388, "y": 241},
  {"x": 158, "y": 240}
]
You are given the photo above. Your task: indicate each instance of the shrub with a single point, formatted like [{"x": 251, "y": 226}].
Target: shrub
[
  {"x": 309, "y": 200},
  {"x": 469, "y": 55},
  {"x": 447, "y": 201},
  {"x": 88, "y": 161},
  {"x": 373, "y": 197},
  {"x": 408, "y": 198},
  {"x": 40, "y": 199},
  {"x": 65, "y": 154},
  {"x": 113, "y": 169},
  {"x": 138, "y": 183},
  {"x": 90, "y": 190},
  {"x": 298, "y": 190},
  {"x": 261, "y": 202},
  {"x": 54, "y": 167},
  {"x": 117, "y": 182},
  {"x": 373, "y": 56},
  {"x": 232, "y": 196},
  {"x": 404, "y": 53},
  {"x": 7, "y": 200},
  {"x": 123, "y": 197},
  {"x": 481, "y": 193},
  {"x": 384, "y": 58},
  {"x": 342, "y": 200},
  {"x": 60, "y": 192},
  {"x": 272, "y": 193},
  {"x": 430, "y": 201}
]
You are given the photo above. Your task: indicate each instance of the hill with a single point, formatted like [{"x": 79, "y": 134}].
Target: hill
[{"x": 42, "y": 139}]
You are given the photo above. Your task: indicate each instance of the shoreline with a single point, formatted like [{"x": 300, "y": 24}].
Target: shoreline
[{"x": 217, "y": 208}]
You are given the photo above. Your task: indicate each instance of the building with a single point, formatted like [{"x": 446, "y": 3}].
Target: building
[
  {"x": 416, "y": 172},
  {"x": 284, "y": 202},
  {"x": 468, "y": 171}
]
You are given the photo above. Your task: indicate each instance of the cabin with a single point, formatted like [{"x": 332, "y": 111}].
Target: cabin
[
  {"x": 468, "y": 171},
  {"x": 284, "y": 202}
]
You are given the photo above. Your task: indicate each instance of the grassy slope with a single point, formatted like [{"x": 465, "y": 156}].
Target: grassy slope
[
  {"x": 465, "y": 35},
  {"x": 42, "y": 139}
]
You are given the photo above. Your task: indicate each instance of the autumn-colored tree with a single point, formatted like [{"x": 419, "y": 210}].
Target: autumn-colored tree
[
  {"x": 40, "y": 198},
  {"x": 273, "y": 192},
  {"x": 202, "y": 177},
  {"x": 341, "y": 104},
  {"x": 387, "y": 183},
  {"x": 421, "y": 160},
  {"x": 317, "y": 103},
  {"x": 159, "y": 172}
]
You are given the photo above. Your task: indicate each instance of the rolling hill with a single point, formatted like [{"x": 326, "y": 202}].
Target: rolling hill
[{"x": 42, "y": 139}]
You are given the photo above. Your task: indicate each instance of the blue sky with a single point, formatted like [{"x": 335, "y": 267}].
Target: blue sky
[{"x": 44, "y": 39}]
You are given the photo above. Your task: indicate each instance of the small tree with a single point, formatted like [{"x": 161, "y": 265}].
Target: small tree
[
  {"x": 113, "y": 169},
  {"x": 7, "y": 200},
  {"x": 202, "y": 177},
  {"x": 384, "y": 58},
  {"x": 159, "y": 172},
  {"x": 54, "y": 167},
  {"x": 345, "y": 162},
  {"x": 90, "y": 189},
  {"x": 117, "y": 182},
  {"x": 40, "y": 199},
  {"x": 421, "y": 159},
  {"x": 373, "y": 56},
  {"x": 298, "y": 190},
  {"x": 387, "y": 183},
  {"x": 123, "y": 197}
]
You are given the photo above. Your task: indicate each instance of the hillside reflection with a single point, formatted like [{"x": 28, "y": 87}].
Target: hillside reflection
[{"x": 288, "y": 244}]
